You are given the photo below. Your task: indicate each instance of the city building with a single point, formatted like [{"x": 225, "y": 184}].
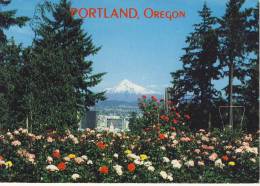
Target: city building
[{"x": 114, "y": 123}]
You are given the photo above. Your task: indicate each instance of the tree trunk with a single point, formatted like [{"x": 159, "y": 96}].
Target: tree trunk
[{"x": 230, "y": 92}]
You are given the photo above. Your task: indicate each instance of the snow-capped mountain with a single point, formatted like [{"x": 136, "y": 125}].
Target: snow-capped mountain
[
  {"x": 127, "y": 86},
  {"x": 127, "y": 91}
]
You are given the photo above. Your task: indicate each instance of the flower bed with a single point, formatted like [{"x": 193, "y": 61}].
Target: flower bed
[{"x": 154, "y": 156}]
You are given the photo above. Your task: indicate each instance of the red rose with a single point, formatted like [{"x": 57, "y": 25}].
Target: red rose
[
  {"x": 103, "y": 170},
  {"x": 56, "y": 154},
  {"x": 164, "y": 118},
  {"x": 162, "y": 136},
  {"x": 144, "y": 97},
  {"x": 225, "y": 158},
  {"x": 175, "y": 121},
  {"x": 61, "y": 166},
  {"x": 101, "y": 145},
  {"x": 131, "y": 167}
]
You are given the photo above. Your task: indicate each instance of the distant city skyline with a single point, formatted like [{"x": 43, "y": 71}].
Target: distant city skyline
[{"x": 143, "y": 51}]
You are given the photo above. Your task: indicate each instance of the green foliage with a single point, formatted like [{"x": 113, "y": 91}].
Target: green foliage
[
  {"x": 11, "y": 60},
  {"x": 155, "y": 116},
  {"x": 60, "y": 74},
  {"x": 219, "y": 47},
  {"x": 199, "y": 69},
  {"x": 249, "y": 76},
  {"x": 8, "y": 19}
]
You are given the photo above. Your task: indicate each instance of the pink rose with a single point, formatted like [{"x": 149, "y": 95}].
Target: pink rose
[{"x": 213, "y": 156}]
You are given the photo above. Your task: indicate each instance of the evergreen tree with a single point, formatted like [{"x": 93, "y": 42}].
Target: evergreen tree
[
  {"x": 199, "y": 69},
  {"x": 232, "y": 46},
  {"x": 133, "y": 122},
  {"x": 11, "y": 90},
  {"x": 249, "y": 89},
  {"x": 61, "y": 74},
  {"x": 8, "y": 19}
]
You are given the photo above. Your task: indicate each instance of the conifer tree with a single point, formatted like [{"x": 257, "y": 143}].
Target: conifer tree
[
  {"x": 232, "y": 46},
  {"x": 62, "y": 74},
  {"x": 11, "y": 90},
  {"x": 199, "y": 69},
  {"x": 8, "y": 19},
  {"x": 249, "y": 76}
]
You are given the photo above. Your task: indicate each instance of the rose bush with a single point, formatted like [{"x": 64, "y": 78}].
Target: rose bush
[{"x": 165, "y": 152}]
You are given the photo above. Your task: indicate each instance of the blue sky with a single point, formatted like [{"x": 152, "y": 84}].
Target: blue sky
[{"x": 144, "y": 51}]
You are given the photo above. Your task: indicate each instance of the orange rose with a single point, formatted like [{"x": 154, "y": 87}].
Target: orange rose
[
  {"x": 131, "y": 167},
  {"x": 103, "y": 170},
  {"x": 56, "y": 154},
  {"x": 101, "y": 145},
  {"x": 225, "y": 158},
  {"x": 61, "y": 166},
  {"x": 161, "y": 136}
]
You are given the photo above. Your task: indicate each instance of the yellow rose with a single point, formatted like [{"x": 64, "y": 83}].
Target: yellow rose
[
  {"x": 143, "y": 157},
  {"x": 231, "y": 163},
  {"x": 128, "y": 151},
  {"x": 8, "y": 164},
  {"x": 72, "y": 156}
]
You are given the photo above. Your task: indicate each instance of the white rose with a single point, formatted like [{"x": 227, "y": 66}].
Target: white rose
[
  {"x": 75, "y": 176},
  {"x": 163, "y": 148},
  {"x": 115, "y": 155},
  {"x": 118, "y": 169},
  {"x": 24, "y": 131},
  {"x": 49, "y": 159},
  {"x": 170, "y": 178},
  {"x": 89, "y": 162},
  {"x": 138, "y": 162},
  {"x": 219, "y": 164},
  {"x": 147, "y": 163},
  {"x": 201, "y": 163},
  {"x": 16, "y": 143},
  {"x": 163, "y": 175},
  {"x": 204, "y": 138},
  {"x": 84, "y": 157},
  {"x": 66, "y": 158},
  {"x": 253, "y": 160},
  {"x": 52, "y": 168},
  {"x": 151, "y": 168},
  {"x": 166, "y": 160},
  {"x": 189, "y": 163},
  {"x": 176, "y": 164},
  {"x": 253, "y": 150}
]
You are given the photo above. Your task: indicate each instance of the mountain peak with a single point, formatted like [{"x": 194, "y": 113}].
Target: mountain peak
[{"x": 126, "y": 86}]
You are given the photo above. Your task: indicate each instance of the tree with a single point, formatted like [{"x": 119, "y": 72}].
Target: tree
[
  {"x": 249, "y": 76},
  {"x": 61, "y": 74},
  {"x": 8, "y": 19},
  {"x": 199, "y": 69},
  {"x": 232, "y": 46},
  {"x": 11, "y": 90},
  {"x": 133, "y": 122}
]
